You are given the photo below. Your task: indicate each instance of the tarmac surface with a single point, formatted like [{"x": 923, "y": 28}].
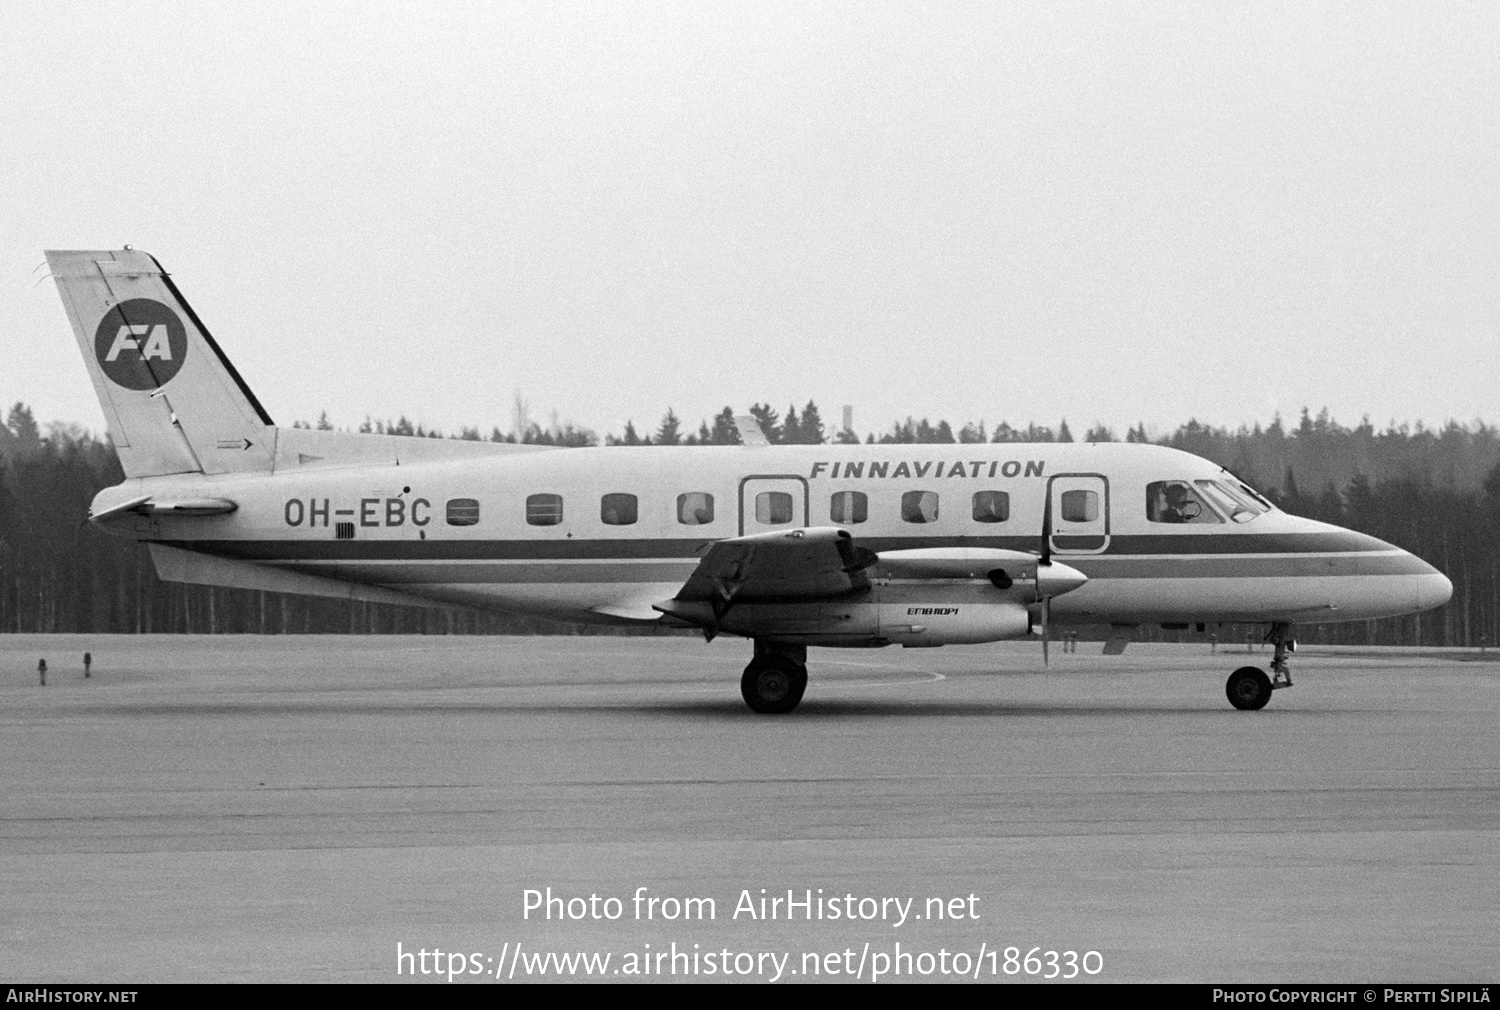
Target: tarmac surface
[{"x": 292, "y": 808}]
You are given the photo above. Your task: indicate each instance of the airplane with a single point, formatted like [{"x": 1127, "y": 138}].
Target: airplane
[{"x": 852, "y": 546}]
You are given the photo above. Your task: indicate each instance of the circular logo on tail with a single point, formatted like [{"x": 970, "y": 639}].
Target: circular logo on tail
[{"x": 140, "y": 344}]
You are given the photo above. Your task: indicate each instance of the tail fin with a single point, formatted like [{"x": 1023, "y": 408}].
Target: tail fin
[{"x": 172, "y": 400}]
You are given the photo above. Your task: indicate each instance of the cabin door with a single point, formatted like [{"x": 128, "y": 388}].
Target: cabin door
[
  {"x": 1080, "y": 513},
  {"x": 772, "y": 502}
]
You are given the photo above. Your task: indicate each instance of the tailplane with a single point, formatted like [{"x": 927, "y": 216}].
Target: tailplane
[{"x": 171, "y": 399}]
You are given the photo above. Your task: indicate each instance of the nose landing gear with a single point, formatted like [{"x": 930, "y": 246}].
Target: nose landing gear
[
  {"x": 774, "y": 681},
  {"x": 1249, "y": 688}
]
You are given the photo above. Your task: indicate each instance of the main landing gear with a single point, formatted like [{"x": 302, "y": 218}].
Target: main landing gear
[
  {"x": 775, "y": 679},
  {"x": 1249, "y": 688}
]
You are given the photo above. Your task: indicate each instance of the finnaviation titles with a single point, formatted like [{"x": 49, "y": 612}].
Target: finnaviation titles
[{"x": 960, "y": 468}]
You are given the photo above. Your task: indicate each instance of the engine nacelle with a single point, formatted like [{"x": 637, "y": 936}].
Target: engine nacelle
[
  {"x": 919, "y": 598},
  {"x": 952, "y": 623}
]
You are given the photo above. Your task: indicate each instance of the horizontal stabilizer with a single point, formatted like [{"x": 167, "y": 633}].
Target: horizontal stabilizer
[{"x": 149, "y": 505}]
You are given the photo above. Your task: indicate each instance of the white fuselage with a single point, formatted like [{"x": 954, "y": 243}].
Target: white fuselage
[{"x": 534, "y": 532}]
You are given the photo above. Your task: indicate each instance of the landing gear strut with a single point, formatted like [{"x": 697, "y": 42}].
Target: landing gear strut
[
  {"x": 775, "y": 679},
  {"x": 1281, "y": 635},
  {"x": 1249, "y": 688}
]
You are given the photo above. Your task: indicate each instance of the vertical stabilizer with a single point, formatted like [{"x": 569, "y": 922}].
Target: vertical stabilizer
[{"x": 172, "y": 400}]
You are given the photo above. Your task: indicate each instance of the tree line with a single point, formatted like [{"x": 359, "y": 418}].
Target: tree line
[{"x": 1434, "y": 492}]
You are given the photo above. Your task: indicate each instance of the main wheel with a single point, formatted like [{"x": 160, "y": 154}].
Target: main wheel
[
  {"x": 773, "y": 684},
  {"x": 1248, "y": 688}
]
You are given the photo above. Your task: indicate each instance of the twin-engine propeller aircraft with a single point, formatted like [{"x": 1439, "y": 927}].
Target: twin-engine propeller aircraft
[{"x": 789, "y": 546}]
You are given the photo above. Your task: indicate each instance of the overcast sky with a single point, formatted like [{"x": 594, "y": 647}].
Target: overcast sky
[{"x": 1105, "y": 212}]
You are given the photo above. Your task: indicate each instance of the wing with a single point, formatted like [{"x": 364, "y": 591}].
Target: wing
[{"x": 792, "y": 566}]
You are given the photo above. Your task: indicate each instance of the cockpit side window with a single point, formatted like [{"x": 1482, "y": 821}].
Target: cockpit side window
[{"x": 1175, "y": 501}]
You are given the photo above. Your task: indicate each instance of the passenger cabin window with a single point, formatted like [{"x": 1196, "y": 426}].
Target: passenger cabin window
[
  {"x": 618, "y": 509},
  {"x": 1080, "y": 506},
  {"x": 1175, "y": 501},
  {"x": 849, "y": 507},
  {"x": 773, "y": 508},
  {"x": 696, "y": 508},
  {"x": 543, "y": 509},
  {"x": 991, "y": 506},
  {"x": 919, "y": 506},
  {"x": 463, "y": 511}
]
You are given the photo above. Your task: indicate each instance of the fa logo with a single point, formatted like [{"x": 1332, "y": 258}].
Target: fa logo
[
  {"x": 157, "y": 345},
  {"x": 140, "y": 344}
]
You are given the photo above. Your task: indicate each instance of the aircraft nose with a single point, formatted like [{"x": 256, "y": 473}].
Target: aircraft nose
[
  {"x": 1433, "y": 588},
  {"x": 1057, "y": 578}
]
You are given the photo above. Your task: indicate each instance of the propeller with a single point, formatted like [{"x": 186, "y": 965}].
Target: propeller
[{"x": 1045, "y": 561}]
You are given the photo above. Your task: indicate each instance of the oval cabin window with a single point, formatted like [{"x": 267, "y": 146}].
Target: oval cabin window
[
  {"x": 849, "y": 507},
  {"x": 463, "y": 512},
  {"x": 544, "y": 509},
  {"x": 991, "y": 506},
  {"x": 618, "y": 509},
  {"x": 773, "y": 508},
  {"x": 1080, "y": 506},
  {"x": 696, "y": 508},
  {"x": 919, "y": 506}
]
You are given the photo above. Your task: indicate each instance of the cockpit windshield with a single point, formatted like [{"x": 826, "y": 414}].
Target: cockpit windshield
[
  {"x": 1255, "y": 496},
  {"x": 1234, "y": 499}
]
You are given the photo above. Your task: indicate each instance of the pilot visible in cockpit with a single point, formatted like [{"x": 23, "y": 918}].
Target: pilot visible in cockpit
[{"x": 1174, "y": 502}]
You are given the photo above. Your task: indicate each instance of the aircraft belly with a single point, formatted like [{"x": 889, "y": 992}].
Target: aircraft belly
[
  {"x": 593, "y": 591},
  {"x": 1302, "y": 598}
]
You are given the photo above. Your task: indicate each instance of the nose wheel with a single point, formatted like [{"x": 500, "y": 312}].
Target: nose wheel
[{"x": 1249, "y": 688}]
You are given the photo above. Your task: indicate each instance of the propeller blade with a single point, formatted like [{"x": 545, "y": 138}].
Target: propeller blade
[
  {"x": 1047, "y": 529},
  {"x": 1046, "y": 610},
  {"x": 1045, "y": 560}
]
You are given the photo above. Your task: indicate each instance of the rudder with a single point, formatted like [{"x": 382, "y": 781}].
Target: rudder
[{"x": 172, "y": 401}]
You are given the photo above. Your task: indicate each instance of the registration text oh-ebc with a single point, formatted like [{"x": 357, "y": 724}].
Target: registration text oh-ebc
[{"x": 751, "y": 905}]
